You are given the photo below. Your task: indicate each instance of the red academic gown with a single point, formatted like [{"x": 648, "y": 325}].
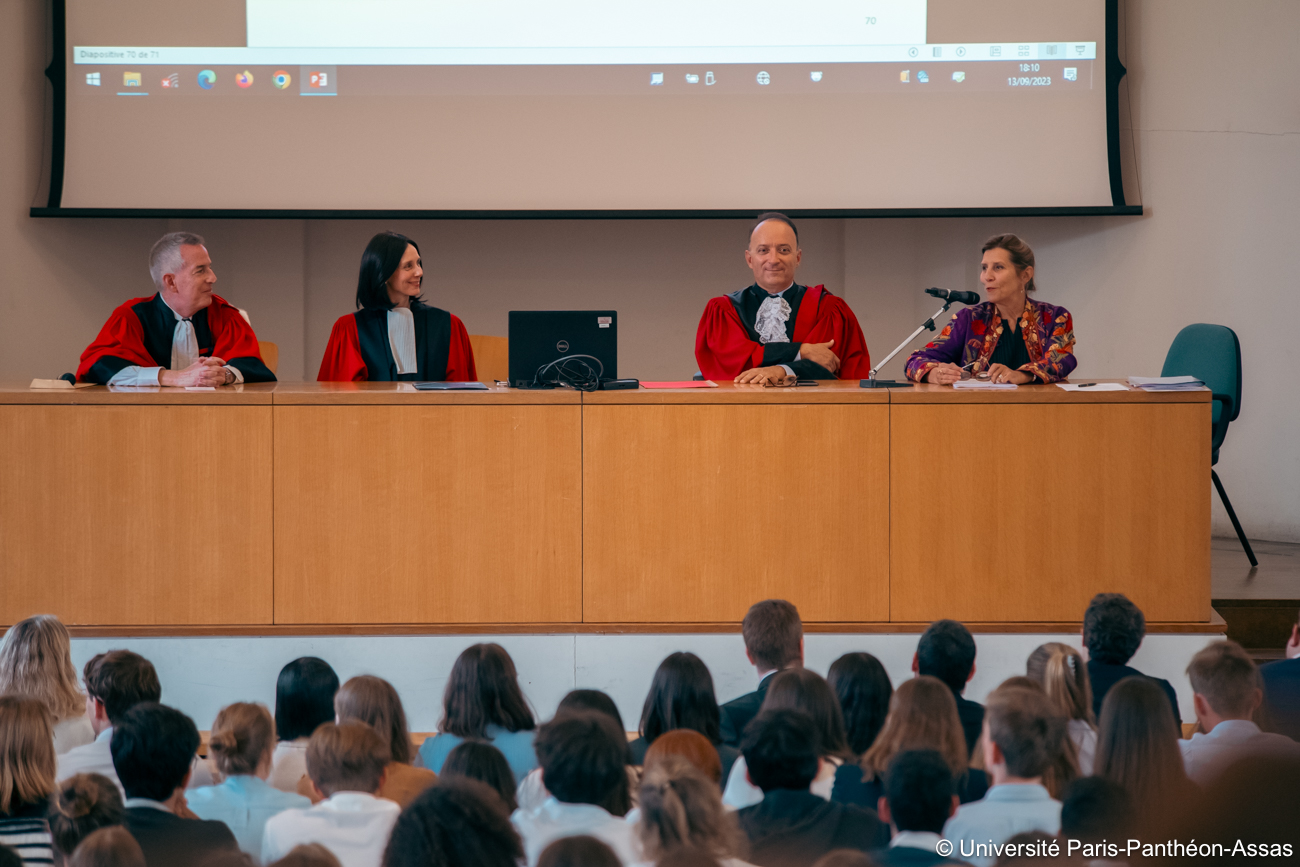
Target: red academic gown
[
  {"x": 359, "y": 350},
  {"x": 726, "y": 343},
  {"x": 139, "y": 333}
]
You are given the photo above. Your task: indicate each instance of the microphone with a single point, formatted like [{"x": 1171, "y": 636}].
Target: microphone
[{"x": 967, "y": 298}]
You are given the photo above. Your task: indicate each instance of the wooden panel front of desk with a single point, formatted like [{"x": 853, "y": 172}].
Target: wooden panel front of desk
[
  {"x": 1021, "y": 506},
  {"x": 698, "y": 504},
  {"x": 400, "y": 507}
]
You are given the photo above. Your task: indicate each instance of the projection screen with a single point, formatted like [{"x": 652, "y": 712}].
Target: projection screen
[{"x": 585, "y": 106}]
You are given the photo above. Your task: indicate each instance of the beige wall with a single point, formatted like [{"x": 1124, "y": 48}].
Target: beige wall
[{"x": 1216, "y": 112}]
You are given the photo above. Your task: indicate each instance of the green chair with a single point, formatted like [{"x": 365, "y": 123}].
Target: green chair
[{"x": 1212, "y": 354}]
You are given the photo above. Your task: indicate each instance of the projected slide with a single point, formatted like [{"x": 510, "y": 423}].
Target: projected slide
[{"x": 586, "y": 105}]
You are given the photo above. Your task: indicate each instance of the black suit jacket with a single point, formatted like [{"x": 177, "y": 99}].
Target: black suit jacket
[
  {"x": 170, "y": 841},
  {"x": 736, "y": 714},
  {"x": 1104, "y": 675},
  {"x": 795, "y": 828},
  {"x": 908, "y": 856},
  {"x": 1282, "y": 696},
  {"x": 971, "y": 714}
]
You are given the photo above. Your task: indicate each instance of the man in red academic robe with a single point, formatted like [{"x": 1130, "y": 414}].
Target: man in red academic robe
[
  {"x": 184, "y": 335},
  {"x": 776, "y": 329}
]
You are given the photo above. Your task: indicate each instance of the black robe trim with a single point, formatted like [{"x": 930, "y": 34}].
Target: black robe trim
[
  {"x": 748, "y": 300},
  {"x": 432, "y": 344}
]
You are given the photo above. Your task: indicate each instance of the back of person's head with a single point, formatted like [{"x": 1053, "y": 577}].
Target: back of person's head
[
  {"x": 946, "y": 651},
  {"x": 456, "y": 823},
  {"x": 83, "y": 803},
  {"x": 689, "y": 745},
  {"x": 347, "y": 757},
  {"x": 863, "y": 689},
  {"x": 781, "y": 750},
  {"x": 483, "y": 762},
  {"x": 681, "y": 697},
  {"x": 919, "y": 787},
  {"x": 1225, "y": 676},
  {"x": 1063, "y": 759},
  {"x": 308, "y": 855},
  {"x": 27, "y": 762},
  {"x": 579, "y": 850},
  {"x": 801, "y": 689},
  {"x": 304, "y": 697},
  {"x": 1095, "y": 809},
  {"x": 1137, "y": 746},
  {"x": 845, "y": 858},
  {"x": 682, "y": 808},
  {"x": 922, "y": 716},
  {"x": 120, "y": 680},
  {"x": 1026, "y": 729},
  {"x": 1060, "y": 670},
  {"x": 773, "y": 634},
  {"x": 579, "y": 700},
  {"x": 242, "y": 737},
  {"x": 583, "y": 757},
  {"x": 1113, "y": 628},
  {"x": 153, "y": 748},
  {"x": 108, "y": 847},
  {"x": 373, "y": 701},
  {"x": 36, "y": 661},
  {"x": 483, "y": 690}
]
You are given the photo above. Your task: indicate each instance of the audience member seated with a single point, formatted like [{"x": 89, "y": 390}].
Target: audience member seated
[
  {"x": 373, "y": 701},
  {"x": 532, "y": 792},
  {"x": 862, "y": 686},
  {"x": 792, "y": 826},
  {"x": 681, "y": 697},
  {"x": 483, "y": 762},
  {"x": 83, "y": 804},
  {"x": 802, "y": 690},
  {"x": 483, "y": 701},
  {"x": 773, "y": 636},
  {"x": 689, "y": 745},
  {"x": 457, "y": 822},
  {"x": 1113, "y": 628},
  {"x": 583, "y": 756},
  {"x": 680, "y": 808},
  {"x": 922, "y": 716},
  {"x": 1060, "y": 670},
  {"x": 36, "y": 661},
  {"x": 1282, "y": 689},
  {"x": 308, "y": 855},
  {"x": 1096, "y": 810},
  {"x": 241, "y": 744},
  {"x": 346, "y": 763},
  {"x": 108, "y": 847},
  {"x": 153, "y": 750},
  {"x": 946, "y": 650},
  {"x": 26, "y": 778},
  {"x": 1250, "y": 810},
  {"x": 304, "y": 699},
  {"x": 1227, "y": 693},
  {"x": 920, "y": 796},
  {"x": 1021, "y": 734},
  {"x": 1136, "y": 748},
  {"x": 115, "y": 682},
  {"x": 1063, "y": 764},
  {"x": 578, "y": 851}
]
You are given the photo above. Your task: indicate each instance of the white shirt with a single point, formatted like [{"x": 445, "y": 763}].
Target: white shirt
[
  {"x": 926, "y": 840},
  {"x": 245, "y": 803},
  {"x": 1205, "y": 755},
  {"x": 96, "y": 757},
  {"x": 288, "y": 765},
  {"x": 353, "y": 825},
  {"x": 554, "y": 820},
  {"x": 72, "y": 733},
  {"x": 1004, "y": 812},
  {"x": 741, "y": 793},
  {"x": 1084, "y": 737},
  {"x": 185, "y": 351},
  {"x": 401, "y": 339}
]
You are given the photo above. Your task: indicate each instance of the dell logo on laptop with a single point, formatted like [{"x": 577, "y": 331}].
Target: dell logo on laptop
[{"x": 562, "y": 346}]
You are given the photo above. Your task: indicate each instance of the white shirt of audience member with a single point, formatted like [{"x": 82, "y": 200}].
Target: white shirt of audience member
[
  {"x": 741, "y": 793},
  {"x": 288, "y": 765},
  {"x": 554, "y": 820},
  {"x": 353, "y": 825},
  {"x": 96, "y": 757},
  {"x": 1224, "y": 739},
  {"x": 1084, "y": 737}
]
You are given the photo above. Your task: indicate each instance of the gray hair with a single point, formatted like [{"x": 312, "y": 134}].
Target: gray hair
[{"x": 165, "y": 257}]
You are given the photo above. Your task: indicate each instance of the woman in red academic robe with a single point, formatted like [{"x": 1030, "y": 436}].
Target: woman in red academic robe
[{"x": 395, "y": 335}]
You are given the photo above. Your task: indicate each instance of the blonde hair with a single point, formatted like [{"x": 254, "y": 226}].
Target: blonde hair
[
  {"x": 373, "y": 701},
  {"x": 241, "y": 735},
  {"x": 1060, "y": 670},
  {"x": 681, "y": 808},
  {"x": 922, "y": 716},
  {"x": 27, "y": 764},
  {"x": 36, "y": 660}
]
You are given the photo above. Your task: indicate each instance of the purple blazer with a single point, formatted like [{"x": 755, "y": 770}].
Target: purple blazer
[{"x": 973, "y": 333}]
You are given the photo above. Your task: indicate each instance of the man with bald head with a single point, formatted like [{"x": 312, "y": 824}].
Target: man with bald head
[
  {"x": 776, "y": 331},
  {"x": 184, "y": 335}
]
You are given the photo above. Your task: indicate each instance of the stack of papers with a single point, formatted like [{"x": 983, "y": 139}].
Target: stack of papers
[
  {"x": 1166, "y": 383},
  {"x": 979, "y": 383}
]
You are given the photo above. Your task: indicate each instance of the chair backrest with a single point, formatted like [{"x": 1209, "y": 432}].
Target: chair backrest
[
  {"x": 1212, "y": 354},
  {"x": 270, "y": 354},
  {"x": 491, "y": 357}
]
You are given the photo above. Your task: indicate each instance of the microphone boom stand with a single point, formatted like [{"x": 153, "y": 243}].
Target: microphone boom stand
[{"x": 872, "y": 382}]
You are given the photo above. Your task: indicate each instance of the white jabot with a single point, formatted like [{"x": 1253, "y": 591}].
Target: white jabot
[
  {"x": 773, "y": 314},
  {"x": 401, "y": 338},
  {"x": 185, "y": 351}
]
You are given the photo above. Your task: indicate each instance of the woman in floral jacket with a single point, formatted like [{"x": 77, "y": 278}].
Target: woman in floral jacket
[{"x": 1012, "y": 337}]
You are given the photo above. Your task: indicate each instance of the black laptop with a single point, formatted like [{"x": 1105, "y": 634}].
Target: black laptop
[{"x": 540, "y": 338}]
